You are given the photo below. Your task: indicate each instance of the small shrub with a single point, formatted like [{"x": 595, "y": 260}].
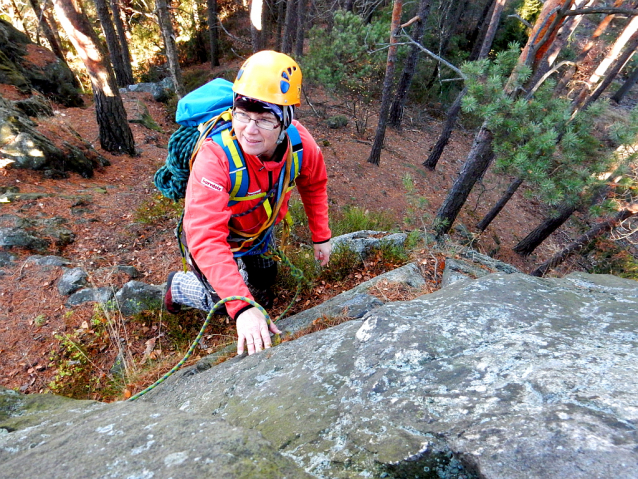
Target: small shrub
[
  {"x": 158, "y": 208},
  {"x": 354, "y": 218},
  {"x": 336, "y": 122}
]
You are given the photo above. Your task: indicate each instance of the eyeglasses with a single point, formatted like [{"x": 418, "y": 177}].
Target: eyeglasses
[{"x": 262, "y": 123}]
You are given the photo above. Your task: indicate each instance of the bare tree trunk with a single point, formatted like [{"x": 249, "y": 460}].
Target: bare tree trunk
[
  {"x": 562, "y": 35},
  {"x": 629, "y": 83},
  {"x": 213, "y": 30},
  {"x": 20, "y": 17},
  {"x": 47, "y": 30},
  {"x": 123, "y": 41},
  {"x": 455, "y": 109},
  {"x": 620, "y": 62},
  {"x": 500, "y": 204},
  {"x": 290, "y": 28},
  {"x": 114, "y": 131},
  {"x": 281, "y": 19},
  {"x": 481, "y": 30},
  {"x": 256, "y": 23},
  {"x": 626, "y": 40},
  {"x": 398, "y": 104},
  {"x": 582, "y": 241},
  {"x": 112, "y": 42},
  {"x": 375, "y": 154},
  {"x": 587, "y": 49},
  {"x": 455, "y": 11},
  {"x": 446, "y": 133},
  {"x": 301, "y": 27},
  {"x": 172, "y": 55},
  {"x": 528, "y": 244},
  {"x": 475, "y": 166}
]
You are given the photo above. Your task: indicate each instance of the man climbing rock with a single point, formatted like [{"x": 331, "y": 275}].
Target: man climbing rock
[{"x": 226, "y": 232}]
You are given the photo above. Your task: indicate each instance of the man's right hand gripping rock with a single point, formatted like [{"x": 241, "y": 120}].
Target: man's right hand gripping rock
[{"x": 253, "y": 329}]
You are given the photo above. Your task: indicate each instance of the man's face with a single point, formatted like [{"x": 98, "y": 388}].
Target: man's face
[{"x": 254, "y": 140}]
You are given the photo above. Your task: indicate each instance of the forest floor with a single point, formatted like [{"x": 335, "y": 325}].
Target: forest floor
[{"x": 118, "y": 218}]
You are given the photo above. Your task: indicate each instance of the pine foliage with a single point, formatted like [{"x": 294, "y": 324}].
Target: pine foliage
[
  {"x": 347, "y": 59},
  {"x": 534, "y": 137}
]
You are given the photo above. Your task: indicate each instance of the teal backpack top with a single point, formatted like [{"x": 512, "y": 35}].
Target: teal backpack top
[{"x": 205, "y": 113}]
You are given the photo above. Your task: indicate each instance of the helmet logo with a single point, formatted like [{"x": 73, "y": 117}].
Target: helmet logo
[{"x": 284, "y": 85}]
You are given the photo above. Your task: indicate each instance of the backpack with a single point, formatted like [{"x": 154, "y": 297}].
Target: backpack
[{"x": 206, "y": 113}]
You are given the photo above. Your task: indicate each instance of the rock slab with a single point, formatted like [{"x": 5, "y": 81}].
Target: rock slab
[{"x": 503, "y": 377}]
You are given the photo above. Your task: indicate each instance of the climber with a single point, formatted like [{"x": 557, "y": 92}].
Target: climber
[{"x": 225, "y": 238}]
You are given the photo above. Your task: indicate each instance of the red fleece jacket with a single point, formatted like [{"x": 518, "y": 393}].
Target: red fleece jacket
[{"x": 207, "y": 214}]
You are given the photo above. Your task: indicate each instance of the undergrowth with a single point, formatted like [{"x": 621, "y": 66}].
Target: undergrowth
[{"x": 109, "y": 358}]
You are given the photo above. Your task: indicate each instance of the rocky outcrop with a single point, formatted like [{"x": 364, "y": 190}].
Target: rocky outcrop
[
  {"x": 23, "y": 146},
  {"x": 48, "y": 74},
  {"x": 505, "y": 376}
]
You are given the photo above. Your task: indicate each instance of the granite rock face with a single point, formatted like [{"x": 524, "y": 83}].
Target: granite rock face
[
  {"x": 506, "y": 376},
  {"x": 61, "y": 438},
  {"x": 502, "y": 377}
]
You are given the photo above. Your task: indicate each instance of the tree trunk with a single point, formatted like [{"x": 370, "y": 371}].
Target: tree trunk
[
  {"x": 20, "y": 18},
  {"x": 172, "y": 55},
  {"x": 481, "y": 30},
  {"x": 560, "y": 40},
  {"x": 47, "y": 30},
  {"x": 620, "y": 62},
  {"x": 447, "y": 30},
  {"x": 500, "y": 204},
  {"x": 213, "y": 30},
  {"x": 528, "y": 244},
  {"x": 114, "y": 131},
  {"x": 112, "y": 42},
  {"x": 582, "y": 241},
  {"x": 281, "y": 19},
  {"x": 585, "y": 52},
  {"x": 123, "y": 42},
  {"x": 256, "y": 24},
  {"x": 375, "y": 154},
  {"x": 627, "y": 40},
  {"x": 480, "y": 154},
  {"x": 629, "y": 83},
  {"x": 455, "y": 109},
  {"x": 290, "y": 27},
  {"x": 398, "y": 104},
  {"x": 446, "y": 133},
  {"x": 301, "y": 28},
  {"x": 477, "y": 162}
]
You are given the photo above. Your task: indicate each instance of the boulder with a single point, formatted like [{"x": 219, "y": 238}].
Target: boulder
[
  {"x": 362, "y": 242},
  {"x": 135, "y": 297},
  {"x": 90, "y": 295},
  {"x": 35, "y": 106},
  {"x": 72, "y": 280},
  {"x": 48, "y": 261}
]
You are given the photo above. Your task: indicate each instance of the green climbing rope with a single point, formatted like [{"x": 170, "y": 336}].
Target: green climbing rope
[{"x": 277, "y": 255}]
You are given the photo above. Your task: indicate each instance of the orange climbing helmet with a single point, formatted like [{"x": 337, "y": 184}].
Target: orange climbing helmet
[{"x": 270, "y": 76}]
